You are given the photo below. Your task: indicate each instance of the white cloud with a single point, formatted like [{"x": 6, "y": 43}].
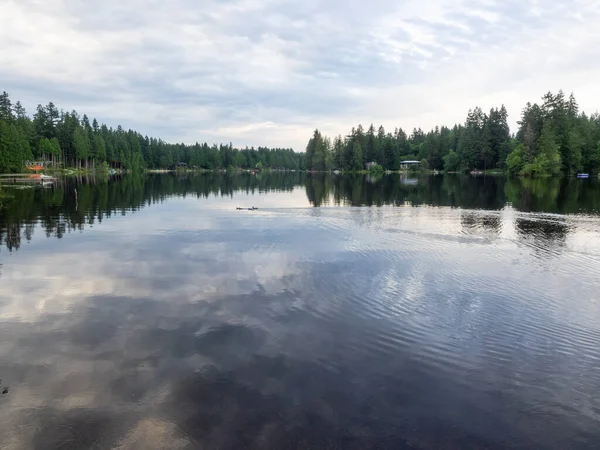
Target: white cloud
[{"x": 269, "y": 72}]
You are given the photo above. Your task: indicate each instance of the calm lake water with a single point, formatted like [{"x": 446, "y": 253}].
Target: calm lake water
[{"x": 345, "y": 313}]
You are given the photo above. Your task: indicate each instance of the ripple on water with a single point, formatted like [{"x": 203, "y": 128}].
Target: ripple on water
[
  {"x": 445, "y": 327},
  {"x": 413, "y": 292}
]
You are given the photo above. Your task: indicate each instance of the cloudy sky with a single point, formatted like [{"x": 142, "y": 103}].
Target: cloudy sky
[{"x": 269, "y": 71}]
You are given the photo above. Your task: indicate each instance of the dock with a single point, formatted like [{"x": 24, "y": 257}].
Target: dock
[{"x": 20, "y": 178}]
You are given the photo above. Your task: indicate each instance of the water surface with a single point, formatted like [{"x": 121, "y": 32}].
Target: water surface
[{"x": 345, "y": 313}]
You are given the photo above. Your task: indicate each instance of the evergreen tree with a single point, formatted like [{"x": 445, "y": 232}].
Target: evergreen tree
[
  {"x": 240, "y": 160},
  {"x": 14, "y": 148},
  {"x": 45, "y": 148},
  {"x": 370, "y": 152},
  {"x": 81, "y": 145},
  {"x": 390, "y": 154},
  {"x": 338, "y": 153},
  {"x": 472, "y": 140},
  {"x": 311, "y": 150},
  {"x": 7, "y": 146},
  {"x": 357, "y": 157},
  {"x": 378, "y": 156},
  {"x": 55, "y": 151},
  {"x": 19, "y": 111},
  {"x": 6, "y": 112}
]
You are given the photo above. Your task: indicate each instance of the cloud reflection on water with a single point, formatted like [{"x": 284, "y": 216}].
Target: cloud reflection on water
[{"x": 331, "y": 328}]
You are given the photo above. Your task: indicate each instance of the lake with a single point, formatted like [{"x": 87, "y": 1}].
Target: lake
[{"x": 146, "y": 312}]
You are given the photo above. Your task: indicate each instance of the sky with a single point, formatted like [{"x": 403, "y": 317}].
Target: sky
[{"x": 268, "y": 72}]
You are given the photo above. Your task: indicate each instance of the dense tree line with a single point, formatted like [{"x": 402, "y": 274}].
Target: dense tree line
[
  {"x": 68, "y": 139},
  {"x": 553, "y": 138}
]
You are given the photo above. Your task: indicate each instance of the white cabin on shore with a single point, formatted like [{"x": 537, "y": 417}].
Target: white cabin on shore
[{"x": 408, "y": 164}]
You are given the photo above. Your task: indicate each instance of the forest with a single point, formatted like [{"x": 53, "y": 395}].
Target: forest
[
  {"x": 67, "y": 139},
  {"x": 553, "y": 138}
]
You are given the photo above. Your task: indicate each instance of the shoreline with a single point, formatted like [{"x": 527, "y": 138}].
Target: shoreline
[{"x": 75, "y": 172}]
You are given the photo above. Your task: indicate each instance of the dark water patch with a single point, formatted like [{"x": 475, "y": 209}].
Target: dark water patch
[{"x": 73, "y": 429}]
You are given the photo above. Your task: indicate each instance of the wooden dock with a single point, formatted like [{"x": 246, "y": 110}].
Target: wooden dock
[{"x": 22, "y": 178}]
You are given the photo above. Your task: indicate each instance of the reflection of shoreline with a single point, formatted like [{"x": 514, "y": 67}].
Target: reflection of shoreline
[
  {"x": 77, "y": 202},
  {"x": 408, "y": 181},
  {"x": 58, "y": 211},
  {"x": 556, "y": 196}
]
